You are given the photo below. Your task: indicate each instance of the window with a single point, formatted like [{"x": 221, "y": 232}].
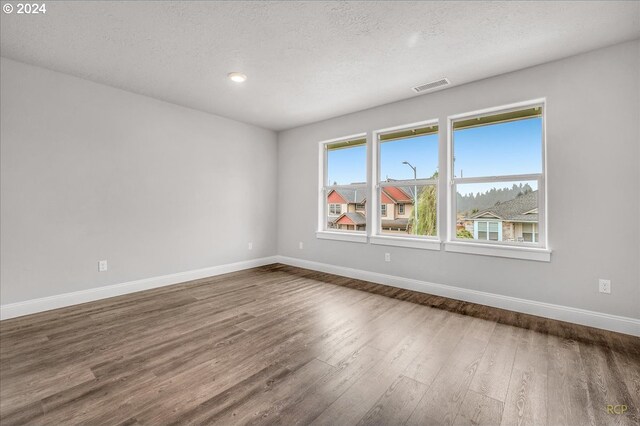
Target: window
[
  {"x": 406, "y": 169},
  {"x": 487, "y": 231},
  {"x": 497, "y": 169},
  {"x": 495, "y": 188},
  {"x": 343, "y": 186},
  {"x": 529, "y": 233}
]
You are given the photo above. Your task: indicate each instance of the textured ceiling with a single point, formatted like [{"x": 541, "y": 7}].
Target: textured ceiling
[{"x": 306, "y": 61}]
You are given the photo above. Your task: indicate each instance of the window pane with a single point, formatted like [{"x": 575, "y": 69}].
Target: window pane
[
  {"x": 335, "y": 209},
  {"x": 420, "y": 152},
  {"x": 497, "y": 211},
  {"x": 493, "y": 231},
  {"x": 346, "y": 165},
  {"x": 399, "y": 221},
  {"x": 504, "y": 148},
  {"x": 345, "y": 209},
  {"x": 528, "y": 232}
]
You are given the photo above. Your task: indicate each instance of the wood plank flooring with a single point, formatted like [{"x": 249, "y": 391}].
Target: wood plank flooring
[{"x": 283, "y": 345}]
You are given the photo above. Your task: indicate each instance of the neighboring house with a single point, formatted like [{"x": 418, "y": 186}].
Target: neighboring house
[
  {"x": 396, "y": 207},
  {"x": 351, "y": 221},
  {"x": 346, "y": 209},
  {"x": 513, "y": 220}
]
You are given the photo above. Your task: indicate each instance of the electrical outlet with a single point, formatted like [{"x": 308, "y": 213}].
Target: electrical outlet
[
  {"x": 387, "y": 257},
  {"x": 604, "y": 286},
  {"x": 300, "y": 245},
  {"x": 250, "y": 246},
  {"x": 102, "y": 266}
]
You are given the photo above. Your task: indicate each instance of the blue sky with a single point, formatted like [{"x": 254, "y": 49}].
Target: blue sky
[
  {"x": 421, "y": 152},
  {"x": 510, "y": 148},
  {"x": 500, "y": 149},
  {"x": 349, "y": 165}
]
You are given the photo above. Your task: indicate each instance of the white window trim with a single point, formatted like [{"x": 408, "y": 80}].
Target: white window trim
[
  {"x": 351, "y": 236},
  {"x": 535, "y": 251},
  {"x": 376, "y": 235},
  {"x": 322, "y": 232},
  {"x": 425, "y": 243},
  {"x": 499, "y": 250}
]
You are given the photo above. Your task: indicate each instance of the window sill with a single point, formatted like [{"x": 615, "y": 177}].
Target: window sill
[
  {"x": 524, "y": 253},
  {"x": 342, "y": 236},
  {"x": 410, "y": 242}
]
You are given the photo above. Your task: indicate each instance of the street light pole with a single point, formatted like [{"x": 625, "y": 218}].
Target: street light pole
[{"x": 415, "y": 197}]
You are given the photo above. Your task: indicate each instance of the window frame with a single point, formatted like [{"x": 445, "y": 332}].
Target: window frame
[
  {"x": 540, "y": 250},
  {"x": 324, "y": 188},
  {"x": 429, "y": 242}
]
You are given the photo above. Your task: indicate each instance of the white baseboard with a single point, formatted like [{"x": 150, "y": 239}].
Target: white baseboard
[
  {"x": 33, "y": 306},
  {"x": 563, "y": 313},
  {"x": 558, "y": 312}
]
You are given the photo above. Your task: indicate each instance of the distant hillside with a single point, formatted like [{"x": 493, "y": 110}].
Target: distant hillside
[{"x": 480, "y": 201}]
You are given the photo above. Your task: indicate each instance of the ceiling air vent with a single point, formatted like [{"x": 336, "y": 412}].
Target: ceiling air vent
[{"x": 432, "y": 85}]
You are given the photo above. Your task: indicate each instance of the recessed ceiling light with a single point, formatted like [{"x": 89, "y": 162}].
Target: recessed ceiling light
[{"x": 237, "y": 77}]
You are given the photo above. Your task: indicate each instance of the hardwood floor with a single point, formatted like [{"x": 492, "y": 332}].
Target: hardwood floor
[{"x": 283, "y": 345}]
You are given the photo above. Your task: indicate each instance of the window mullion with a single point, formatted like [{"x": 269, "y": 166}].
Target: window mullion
[
  {"x": 501, "y": 178},
  {"x": 419, "y": 182}
]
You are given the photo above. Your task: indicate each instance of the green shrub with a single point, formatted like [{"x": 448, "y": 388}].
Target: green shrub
[{"x": 463, "y": 233}]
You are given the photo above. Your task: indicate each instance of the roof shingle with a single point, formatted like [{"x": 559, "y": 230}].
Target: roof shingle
[
  {"x": 353, "y": 195},
  {"x": 514, "y": 210},
  {"x": 356, "y": 218}
]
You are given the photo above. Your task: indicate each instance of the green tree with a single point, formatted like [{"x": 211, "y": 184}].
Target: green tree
[{"x": 427, "y": 210}]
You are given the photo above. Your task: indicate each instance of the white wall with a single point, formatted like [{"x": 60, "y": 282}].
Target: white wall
[
  {"x": 593, "y": 139},
  {"x": 90, "y": 172}
]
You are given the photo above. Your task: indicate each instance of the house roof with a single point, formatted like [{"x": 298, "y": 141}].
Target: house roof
[
  {"x": 352, "y": 196},
  {"x": 397, "y": 194},
  {"x": 355, "y": 218},
  {"x": 358, "y": 196},
  {"x": 515, "y": 210}
]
